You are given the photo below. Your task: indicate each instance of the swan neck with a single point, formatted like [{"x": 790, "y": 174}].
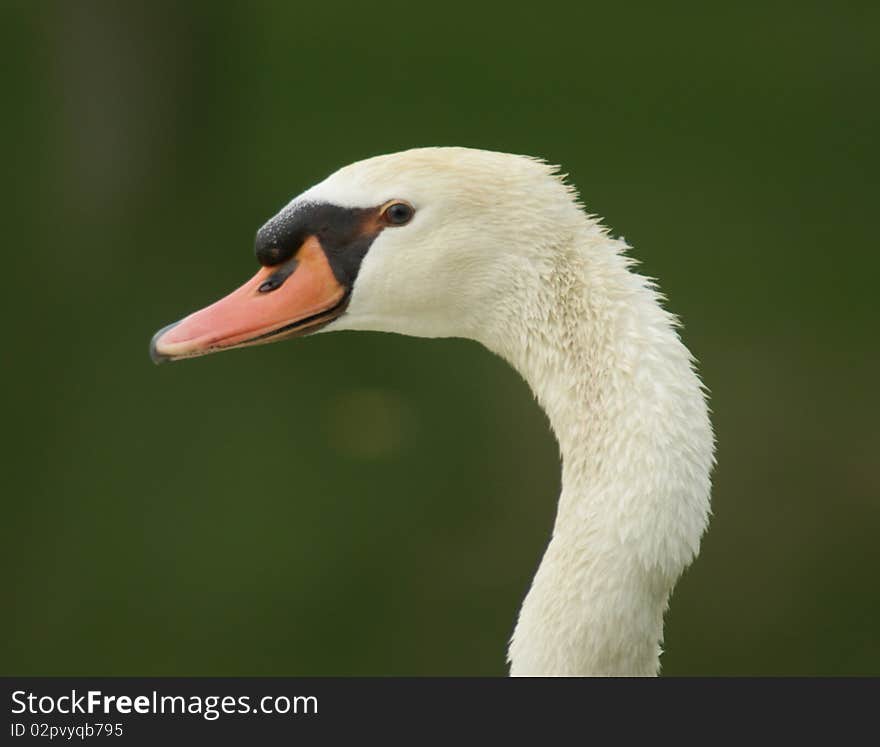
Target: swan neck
[{"x": 606, "y": 363}]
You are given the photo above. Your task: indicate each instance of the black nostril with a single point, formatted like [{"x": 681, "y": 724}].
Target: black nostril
[
  {"x": 271, "y": 284},
  {"x": 277, "y": 278}
]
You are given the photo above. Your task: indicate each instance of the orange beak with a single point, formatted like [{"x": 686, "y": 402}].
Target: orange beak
[{"x": 286, "y": 300}]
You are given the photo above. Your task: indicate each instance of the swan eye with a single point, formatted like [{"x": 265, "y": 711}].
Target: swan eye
[{"x": 398, "y": 213}]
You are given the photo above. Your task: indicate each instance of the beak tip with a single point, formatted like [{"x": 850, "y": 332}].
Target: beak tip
[{"x": 156, "y": 355}]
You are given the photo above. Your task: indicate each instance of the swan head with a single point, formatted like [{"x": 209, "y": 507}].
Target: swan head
[
  {"x": 452, "y": 242},
  {"x": 427, "y": 242}
]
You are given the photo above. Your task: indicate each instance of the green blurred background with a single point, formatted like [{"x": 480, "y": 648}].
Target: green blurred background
[{"x": 372, "y": 504}]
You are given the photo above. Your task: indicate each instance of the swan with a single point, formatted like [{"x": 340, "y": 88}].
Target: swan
[{"x": 497, "y": 248}]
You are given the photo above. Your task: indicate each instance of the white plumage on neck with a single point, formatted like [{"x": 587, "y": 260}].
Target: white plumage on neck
[
  {"x": 501, "y": 252},
  {"x": 628, "y": 411}
]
